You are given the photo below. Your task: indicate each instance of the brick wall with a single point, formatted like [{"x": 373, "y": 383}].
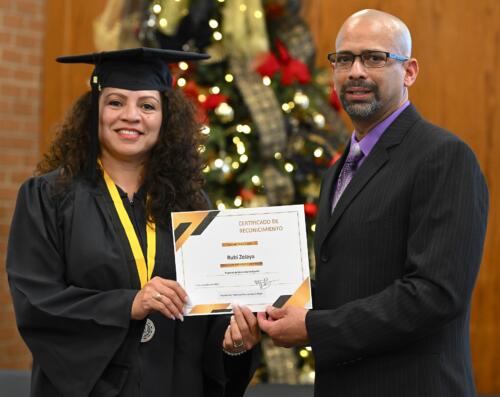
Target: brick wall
[{"x": 21, "y": 42}]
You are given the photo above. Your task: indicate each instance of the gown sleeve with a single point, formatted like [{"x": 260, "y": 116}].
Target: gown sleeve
[{"x": 72, "y": 332}]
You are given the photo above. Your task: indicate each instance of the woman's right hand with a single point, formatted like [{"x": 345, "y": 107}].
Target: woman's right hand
[{"x": 161, "y": 295}]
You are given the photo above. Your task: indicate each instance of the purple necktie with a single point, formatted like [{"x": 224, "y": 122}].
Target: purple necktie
[{"x": 347, "y": 172}]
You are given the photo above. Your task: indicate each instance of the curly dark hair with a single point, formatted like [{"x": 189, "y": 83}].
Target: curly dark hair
[{"x": 173, "y": 177}]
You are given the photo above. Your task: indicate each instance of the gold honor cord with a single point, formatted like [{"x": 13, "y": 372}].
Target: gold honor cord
[{"x": 143, "y": 269}]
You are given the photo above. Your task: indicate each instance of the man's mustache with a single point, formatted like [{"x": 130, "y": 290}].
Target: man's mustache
[{"x": 359, "y": 84}]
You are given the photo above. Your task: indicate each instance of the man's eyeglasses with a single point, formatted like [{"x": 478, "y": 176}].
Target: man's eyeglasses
[{"x": 370, "y": 59}]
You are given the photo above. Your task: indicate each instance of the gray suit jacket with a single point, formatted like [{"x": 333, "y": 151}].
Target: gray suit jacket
[{"x": 396, "y": 265}]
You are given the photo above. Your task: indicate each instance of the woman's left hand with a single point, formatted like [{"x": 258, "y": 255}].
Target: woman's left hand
[{"x": 243, "y": 332}]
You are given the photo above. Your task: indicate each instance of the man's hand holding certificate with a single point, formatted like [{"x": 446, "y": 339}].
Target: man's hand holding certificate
[{"x": 255, "y": 256}]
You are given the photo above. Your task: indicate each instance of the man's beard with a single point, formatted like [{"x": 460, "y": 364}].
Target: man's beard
[{"x": 361, "y": 110}]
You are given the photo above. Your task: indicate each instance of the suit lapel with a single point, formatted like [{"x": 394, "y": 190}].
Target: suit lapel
[
  {"x": 325, "y": 198},
  {"x": 377, "y": 158}
]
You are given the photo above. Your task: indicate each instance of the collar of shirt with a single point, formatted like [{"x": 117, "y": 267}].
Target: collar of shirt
[
  {"x": 139, "y": 195},
  {"x": 368, "y": 142}
]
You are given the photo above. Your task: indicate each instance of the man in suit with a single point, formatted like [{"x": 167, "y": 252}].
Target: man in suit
[{"x": 399, "y": 236}]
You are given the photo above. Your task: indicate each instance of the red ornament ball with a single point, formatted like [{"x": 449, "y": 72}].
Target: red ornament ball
[
  {"x": 247, "y": 194},
  {"x": 310, "y": 209}
]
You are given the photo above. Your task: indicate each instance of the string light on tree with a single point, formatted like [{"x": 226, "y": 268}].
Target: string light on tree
[
  {"x": 213, "y": 24},
  {"x": 318, "y": 152},
  {"x": 256, "y": 180},
  {"x": 183, "y": 66},
  {"x": 157, "y": 8},
  {"x": 215, "y": 90},
  {"x": 301, "y": 99},
  {"x": 163, "y": 22},
  {"x": 289, "y": 167},
  {"x": 266, "y": 80},
  {"x": 238, "y": 201},
  {"x": 181, "y": 82},
  {"x": 243, "y": 158},
  {"x": 319, "y": 120},
  {"x": 244, "y": 128},
  {"x": 240, "y": 148},
  {"x": 217, "y": 35},
  {"x": 229, "y": 77}
]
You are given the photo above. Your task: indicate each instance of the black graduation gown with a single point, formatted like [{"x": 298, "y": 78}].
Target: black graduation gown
[{"x": 73, "y": 279}]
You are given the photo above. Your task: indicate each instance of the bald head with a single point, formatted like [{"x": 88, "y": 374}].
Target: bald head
[{"x": 395, "y": 30}]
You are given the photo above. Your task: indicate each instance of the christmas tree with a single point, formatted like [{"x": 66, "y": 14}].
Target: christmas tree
[{"x": 270, "y": 118}]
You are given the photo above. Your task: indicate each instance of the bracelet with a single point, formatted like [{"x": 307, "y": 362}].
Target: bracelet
[{"x": 234, "y": 354}]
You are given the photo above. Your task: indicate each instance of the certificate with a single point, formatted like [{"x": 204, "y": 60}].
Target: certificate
[{"x": 254, "y": 256}]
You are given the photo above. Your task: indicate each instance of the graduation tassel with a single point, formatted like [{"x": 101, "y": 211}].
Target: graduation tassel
[{"x": 91, "y": 166}]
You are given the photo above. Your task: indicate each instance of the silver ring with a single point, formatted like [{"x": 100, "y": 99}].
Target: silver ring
[{"x": 238, "y": 345}]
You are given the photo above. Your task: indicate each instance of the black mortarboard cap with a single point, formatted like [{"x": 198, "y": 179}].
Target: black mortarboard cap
[
  {"x": 131, "y": 69},
  {"x": 134, "y": 68}
]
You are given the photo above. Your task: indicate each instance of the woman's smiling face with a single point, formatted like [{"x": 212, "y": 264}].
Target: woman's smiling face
[{"x": 129, "y": 123}]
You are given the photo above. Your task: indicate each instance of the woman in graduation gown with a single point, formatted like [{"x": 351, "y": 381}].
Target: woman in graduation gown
[{"x": 90, "y": 257}]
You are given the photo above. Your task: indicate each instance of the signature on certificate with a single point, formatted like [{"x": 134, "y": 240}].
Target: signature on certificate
[{"x": 263, "y": 283}]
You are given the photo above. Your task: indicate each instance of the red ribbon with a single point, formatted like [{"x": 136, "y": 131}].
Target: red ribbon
[
  {"x": 334, "y": 159},
  {"x": 192, "y": 92},
  {"x": 214, "y": 100},
  {"x": 291, "y": 69},
  {"x": 334, "y": 100}
]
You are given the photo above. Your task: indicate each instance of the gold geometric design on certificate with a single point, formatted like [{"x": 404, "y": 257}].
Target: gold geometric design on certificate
[
  {"x": 300, "y": 297},
  {"x": 210, "y": 308},
  {"x": 190, "y": 223}
]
